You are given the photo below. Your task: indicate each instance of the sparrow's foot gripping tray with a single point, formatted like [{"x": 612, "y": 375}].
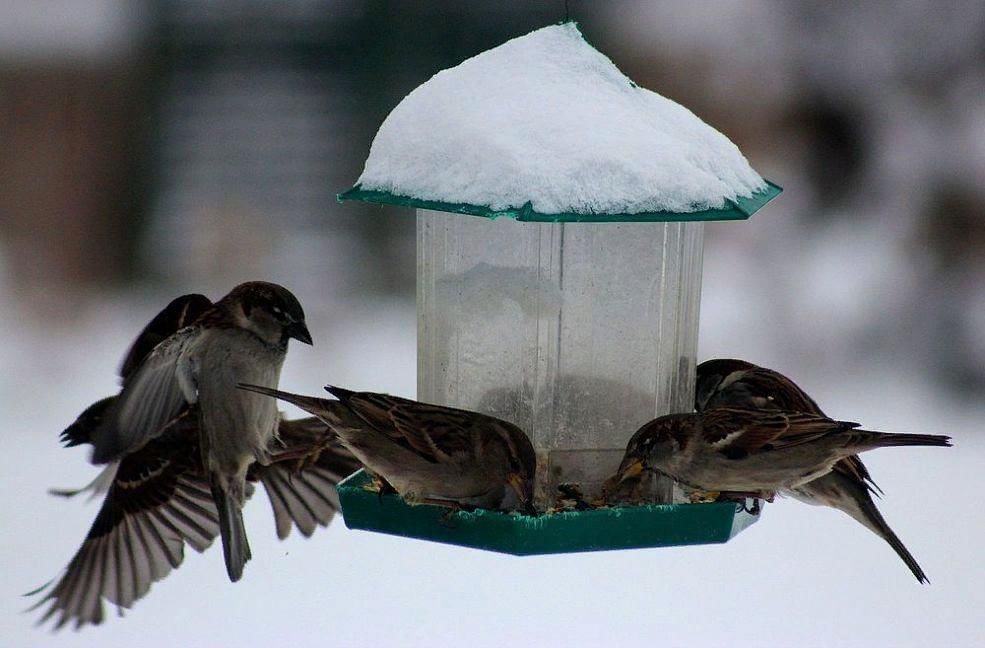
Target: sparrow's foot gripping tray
[{"x": 624, "y": 527}]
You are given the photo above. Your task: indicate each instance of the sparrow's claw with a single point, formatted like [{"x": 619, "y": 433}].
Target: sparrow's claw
[
  {"x": 755, "y": 509},
  {"x": 304, "y": 456},
  {"x": 299, "y": 454},
  {"x": 446, "y": 518},
  {"x": 383, "y": 487}
]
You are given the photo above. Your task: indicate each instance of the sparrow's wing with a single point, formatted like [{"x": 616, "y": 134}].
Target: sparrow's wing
[
  {"x": 442, "y": 431},
  {"x": 853, "y": 468},
  {"x": 305, "y": 497},
  {"x": 782, "y": 393},
  {"x": 739, "y": 432},
  {"x": 433, "y": 431},
  {"x": 744, "y": 385},
  {"x": 158, "y": 502},
  {"x": 180, "y": 313},
  {"x": 774, "y": 390},
  {"x": 153, "y": 396}
]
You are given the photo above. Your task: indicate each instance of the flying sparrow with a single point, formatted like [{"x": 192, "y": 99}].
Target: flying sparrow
[
  {"x": 754, "y": 452},
  {"x": 429, "y": 453},
  {"x": 242, "y": 337},
  {"x": 158, "y": 497},
  {"x": 178, "y": 314},
  {"x": 848, "y": 487}
]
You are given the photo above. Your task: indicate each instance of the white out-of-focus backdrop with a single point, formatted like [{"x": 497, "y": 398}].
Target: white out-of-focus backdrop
[{"x": 156, "y": 148}]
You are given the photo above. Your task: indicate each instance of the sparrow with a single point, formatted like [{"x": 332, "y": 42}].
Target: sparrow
[
  {"x": 848, "y": 487},
  {"x": 242, "y": 337},
  {"x": 159, "y": 496},
  {"x": 754, "y": 452},
  {"x": 430, "y": 454},
  {"x": 159, "y": 499},
  {"x": 179, "y": 313}
]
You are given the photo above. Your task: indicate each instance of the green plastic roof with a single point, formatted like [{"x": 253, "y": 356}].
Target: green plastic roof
[{"x": 738, "y": 210}]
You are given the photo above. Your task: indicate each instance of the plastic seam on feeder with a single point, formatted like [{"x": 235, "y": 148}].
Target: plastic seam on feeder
[
  {"x": 603, "y": 529},
  {"x": 739, "y": 209}
]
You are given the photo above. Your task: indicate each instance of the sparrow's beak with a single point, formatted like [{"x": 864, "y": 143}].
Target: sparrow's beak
[
  {"x": 519, "y": 486},
  {"x": 299, "y": 332},
  {"x": 631, "y": 468}
]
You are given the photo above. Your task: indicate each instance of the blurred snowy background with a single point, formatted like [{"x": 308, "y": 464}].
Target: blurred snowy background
[{"x": 153, "y": 148}]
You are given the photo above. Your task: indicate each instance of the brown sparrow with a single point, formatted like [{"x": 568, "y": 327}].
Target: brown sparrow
[
  {"x": 158, "y": 497},
  {"x": 242, "y": 337},
  {"x": 848, "y": 487},
  {"x": 753, "y": 452},
  {"x": 429, "y": 453}
]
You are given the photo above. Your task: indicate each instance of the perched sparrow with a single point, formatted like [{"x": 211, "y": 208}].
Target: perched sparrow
[
  {"x": 752, "y": 451},
  {"x": 848, "y": 487},
  {"x": 242, "y": 337},
  {"x": 429, "y": 453},
  {"x": 158, "y": 497}
]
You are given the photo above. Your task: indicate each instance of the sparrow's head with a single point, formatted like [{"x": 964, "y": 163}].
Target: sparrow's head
[
  {"x": 270, "y": 311},
  {"x": 653, "y": 445},
  {"x": 711, "y": 377},
  {"x": 522, "y": 469}
]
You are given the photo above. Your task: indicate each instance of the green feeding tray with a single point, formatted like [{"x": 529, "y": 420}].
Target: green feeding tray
[
  {"x": 740, "y": 209},
  {"x": 628, "y": 527}
]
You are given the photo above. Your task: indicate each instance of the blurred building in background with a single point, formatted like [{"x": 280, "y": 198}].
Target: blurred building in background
[{"x": 190, "y": 145}]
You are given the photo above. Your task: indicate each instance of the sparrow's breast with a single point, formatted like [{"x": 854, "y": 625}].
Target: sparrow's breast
[{"x": 239, "y": 424}]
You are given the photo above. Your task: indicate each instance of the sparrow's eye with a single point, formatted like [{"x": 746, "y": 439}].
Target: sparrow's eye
[{"x": 277, "y": 310}]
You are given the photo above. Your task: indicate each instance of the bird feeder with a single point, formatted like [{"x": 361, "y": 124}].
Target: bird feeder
[{"x": 560, "y": 210}]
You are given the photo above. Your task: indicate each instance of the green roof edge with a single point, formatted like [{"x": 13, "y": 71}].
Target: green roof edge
[{"x": 740, "y": 209}]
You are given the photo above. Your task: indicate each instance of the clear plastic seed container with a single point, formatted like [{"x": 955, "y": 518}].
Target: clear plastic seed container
[{"x": 577, "y": 332}]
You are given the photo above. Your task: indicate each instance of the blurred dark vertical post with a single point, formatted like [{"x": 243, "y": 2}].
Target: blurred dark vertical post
[{"x": 73, "y": 133}]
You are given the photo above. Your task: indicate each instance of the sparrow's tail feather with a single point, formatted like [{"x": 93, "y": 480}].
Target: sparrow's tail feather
[
  {"x": 331, "y": 412},
  {"x": 235, "y": 545},
  {"x": 307, "y": 403},
  {"x": 870, "y": 440},
  {"x": 869, "y": 515},
  {"x": 339, "y": 392}
]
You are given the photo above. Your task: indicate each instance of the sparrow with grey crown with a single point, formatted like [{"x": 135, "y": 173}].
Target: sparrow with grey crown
[{"x": 242, "y": 338}]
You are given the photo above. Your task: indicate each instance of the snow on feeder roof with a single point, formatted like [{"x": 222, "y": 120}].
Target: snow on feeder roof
[{"x": 546, "y": 128}]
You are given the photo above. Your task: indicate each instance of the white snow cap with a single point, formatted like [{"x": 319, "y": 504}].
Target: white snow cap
[{"x": 546, "y": 118}]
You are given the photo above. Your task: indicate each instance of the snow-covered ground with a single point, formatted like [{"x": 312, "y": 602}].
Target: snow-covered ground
[{"x": 801, "y": 576}]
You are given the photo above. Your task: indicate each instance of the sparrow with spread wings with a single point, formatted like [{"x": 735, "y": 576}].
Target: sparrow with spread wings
[
  {"x": 242, "y": 337},
  {"x": 158, "y": 497}
]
